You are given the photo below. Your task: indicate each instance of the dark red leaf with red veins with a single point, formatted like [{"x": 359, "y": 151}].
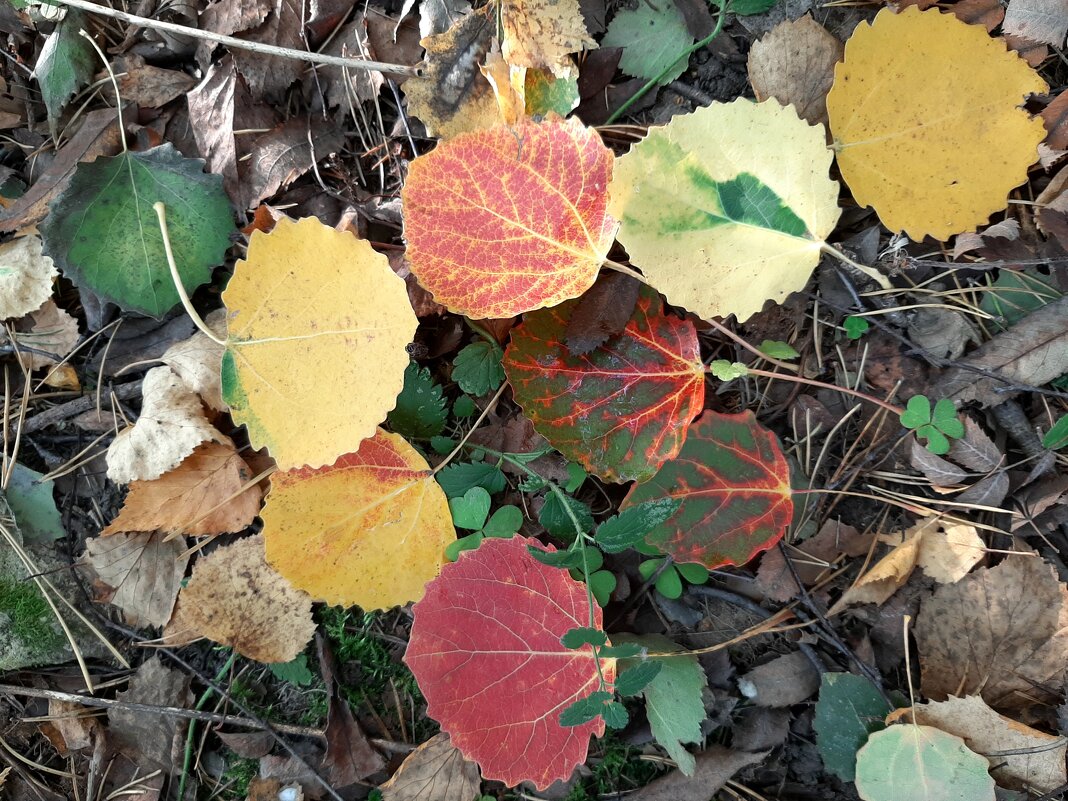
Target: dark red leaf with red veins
[
  {"x": 734, "y": 484},
  {"x": 511, "y": 218},
  {"x": 620, "y": 410},
  {"x": 485, "y": 648}
]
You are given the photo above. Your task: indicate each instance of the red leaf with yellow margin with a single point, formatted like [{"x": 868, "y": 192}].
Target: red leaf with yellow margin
[
  {"x": 734, "y": 485},
  {"x": 509, "y": 219},
  {"x": 620, "y": 410},
  {"x": 485, "y": 649}
]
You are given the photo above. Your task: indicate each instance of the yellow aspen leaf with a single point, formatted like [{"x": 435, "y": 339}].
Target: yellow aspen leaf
[
  {"x": 371, "y": 529},
  {"x": 541, "y": 33},
  {"x": 310, "y": 305},
  {"x": 927, "y": 121},
  {"x": 728, "y": 207}
]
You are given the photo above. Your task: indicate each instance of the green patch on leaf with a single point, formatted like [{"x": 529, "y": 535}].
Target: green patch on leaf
[
  {"x": 545, "y": 93},
  {"x": 420, "y": 411},
  {"x": 477, "y": 368},
  {"x": 727, "y": 371},
  {"x": 653, "y": 38},
  {"x": 636, "y": 678},
  {"x": 1017, "y": 293},
  {"x": 295, "y": 672},
  {"x": 103, "y": 233},
  {"x": 471, "y": 509}
]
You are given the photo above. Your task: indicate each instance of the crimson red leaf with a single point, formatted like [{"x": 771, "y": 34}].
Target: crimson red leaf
[
  {"x": 734, "y": 485},
  {"x": 485, "y": 648},
  {"x": 620, "y": 410}
]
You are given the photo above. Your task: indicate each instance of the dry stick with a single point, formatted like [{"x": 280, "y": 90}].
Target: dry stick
[{"x": 241, "y": 44}]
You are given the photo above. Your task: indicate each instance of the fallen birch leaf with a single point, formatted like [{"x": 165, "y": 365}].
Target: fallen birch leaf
[
  {"x": 198, "y": 360},
  {"x": 144, "y": 571},
  {"x": 1044, "y": 21},
  {"x": 1038, "y": 759},
  {"x": 26, "y": 277},
  {"x": 542, "y": 33},
  {"x": 309, "y": 304},
  {"x": 235, "y": 598},
  {"x": 920, "y": 99},
  {"x": 171, "y": 425},
  {"x": 201, "y": 496},
  {"x": 435, "y": 771}
]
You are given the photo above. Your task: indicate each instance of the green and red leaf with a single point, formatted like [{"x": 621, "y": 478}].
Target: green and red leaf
[
  {"x": 622, "y": 409},
  {"x": 509, "y": 219},
  {"x": 734, "y": 485},
  {"x": 486, "y": 650}
]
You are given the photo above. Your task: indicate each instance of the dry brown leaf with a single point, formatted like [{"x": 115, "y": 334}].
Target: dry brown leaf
[
  {"x": 75, "y": 724},
  {"x": 285, "y": 153},
  {"x": 602, "y": 312},
  {"x": 342, "y": 84},
  {"x": 812, "y": 559},
  {"x": 211, "y": 118},
  {"x": 715, "y": 767},
  {"x": 52, "y": 331},
  {"x": 1001, "y": 632},
  {"x": 1031, "y": 353},
  {"x": 435, "y": 771},
  {"x": 935, "y": 469},
  {"x": 542, "y": 33},
  {"x": 988, "y": 13},
  {"x": 198, "y": 361},
  {"x": 975, "y": 450},
  {"x": 26, "y": 276},
  {"x": 235, "y": 598},
  {"x": 144, "y": 571},
  {"x": 884, "y": 578},
  {"x": 784, "y": 681},
  {"x": 171, "y": 425},
  {"x": 1055, "y": 118},
  {"x": 201, "y": 496},
  {"x": 147, "y": 737},
  {"x": 1038, "y": 763},
  {"x": 794, "y": 63},
  {"x": 1043, "y": 21},
  {"x": 148, "y": 86}
]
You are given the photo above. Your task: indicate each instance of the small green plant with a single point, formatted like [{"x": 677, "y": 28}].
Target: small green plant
[
  {"x": 470, "y": 511},
  {"x": 1057, "y": 437},
  {"x": 936, "y": 426},
  {"x": 28, "y": 612},
  {"x": 855, "y": 327},
  {"x": 669, "y": 582}
]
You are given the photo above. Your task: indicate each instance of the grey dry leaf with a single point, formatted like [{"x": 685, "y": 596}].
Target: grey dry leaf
[
  {"x": 784, "y": 681},
  {"x": 1031, "y": 353},
  {"x": 1037, "y": 759},
  {"x": 946, "y": 333},
  {"x": 1043, "y": 21},
  {"x": 794, "y": 63},
  {"x": 26, "y": 276},
  {"x": 435, "y": 16},
  {"x": 1001, "y": 632},
  {"x": 149, "y": 86},
  {"x": 53, "y": 334},
  {"x": 345, "y": 86},
  {"x": 975, "y": 450},
  {"x": 171, "y": 425},
  {"x": 715, "y": 767},
  {"x": 211, "y": 116},
  {"x": 235, "y": 598},
  {"x": 146, "y": 736},
  {"x": 285, "y": 153},
  {"x": 198, "y": 361},
  {"x": 938, "y": 471},
  {"x": 145, "y": 572},
  {"x": 435, "y": 771}
]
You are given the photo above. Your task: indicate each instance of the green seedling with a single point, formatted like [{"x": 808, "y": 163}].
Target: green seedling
[
  {"x": 855, "y": 327},
  {"x": 937, "y": 427},
  {"x": 471, "y": 511}
]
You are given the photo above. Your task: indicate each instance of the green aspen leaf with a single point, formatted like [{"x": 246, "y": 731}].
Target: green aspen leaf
[
  {"x": 669, "y": 584},
  {"x": 468, "y": 543},
  {"x": 945, "y": 419},
  {"x": 849, "y": 709},
  {"x": 692, "y": 572},
  {"x": 653, "y": 38},
  {"x": 504, "y": 522},
  {"x": 778, "y": 350},
  {"x": 103, "y": 233},
  {"x": 464, "y": 406},
  {"x": 558, "y": 522},
  {"x": 471, "y": 509},
  {"x": 34, "y": 506},
  {"x": 602, "y": 585},
  {"x": 855, "y": 327},
  {"x": 921, "y": 763},
  {"x": 629, "y": 527},
  {"x": 615, "y": 715},
  {"x": 1057, "y": 437},
  {"x": 420, "y": 410},
  {"x": 583, "y": 636},
  {"x": 65, "y": 64},
  {"x": 917, "y": 412},
  {"x": 565, "y": 559},
  {"x": 673, "y": 700},
  {"x": 457, "y": 479},
  {"x": 477, "y": 368},
  {"x": 585, "y": 709},
  {"x": 634, "y": 679},
  {"x": 727, "y": 371}
]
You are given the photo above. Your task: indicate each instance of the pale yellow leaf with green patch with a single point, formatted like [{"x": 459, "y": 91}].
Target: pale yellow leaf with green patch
[
  {"x": 317, "y": 326},
  {"x": 728, "y": 207}
]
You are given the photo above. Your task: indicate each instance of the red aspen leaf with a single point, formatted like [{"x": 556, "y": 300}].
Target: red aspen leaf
[
  {"x": 485, "y": 648},
  {"x": 734, "y": 484},
  {"x": 510, "y": 219},
  {"x": 621, "y": 410}
]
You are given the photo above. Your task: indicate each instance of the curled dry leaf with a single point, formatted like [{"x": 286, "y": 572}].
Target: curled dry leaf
[
  {"x": 1001, "y": 632},
  {"x": 171, "y": 425},
  {"x": 381, "y": 525},
  {"x": 26, "y": 276},
  {"x": 435, "y": 771},
  {"x": 794, "y": 63},
  {"x": 144, "y": 571},
  {"x": 235, "y": 598},
  {"x": 204, "y": 495},
  {"x": 197, "y": 361}
]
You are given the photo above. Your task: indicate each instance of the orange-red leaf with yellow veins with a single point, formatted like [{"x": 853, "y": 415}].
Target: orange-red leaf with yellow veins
[
  {"x": 510, "y": 219},
  {"x": 485, "y": 648}
]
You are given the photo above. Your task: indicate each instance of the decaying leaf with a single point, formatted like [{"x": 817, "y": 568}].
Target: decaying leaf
[
  {"x": 235, "y": 598},
  {"x": 435, "y": 771},
  {"x": 144, "y": 571},
  {"x": 920, "y": 99},
  {"x": 310, "y": 303},
  {"x": 1000, "y": 632},
  {"x": 52, "y": 334},
  {"x": 26, "y": 276},
  {"x": 197, "y": 361},
  {"x": 147, "y": 737},
  {"x": 1025, "y": 758},
  {"x": 715, "y": 767},
  {"x": 485, "y": 648},
  {"x": 728, "y": 207},
  {"x": 1043, "y": 21},
  {"x": 171, "y": 425},
  {"x": 285, "y": 153},
  {"x": 370, "y": 529},
  {"x": 541, "y": 33},
  {"x": 794, "y": 63},
  {"x": 205, "y": 494}
]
